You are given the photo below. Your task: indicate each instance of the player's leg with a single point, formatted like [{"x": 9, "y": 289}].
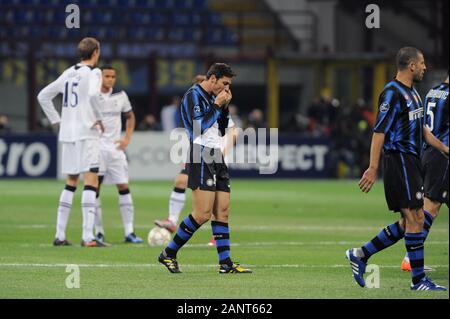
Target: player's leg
[
  {"x": 70, "y": 168},
  {"x": 435, "y": 171},
  {"x": 395, "y": 191},
  {"x": 435, "y": 168},
  {"x": 431, "y": 211},
  {"x": 127, "y": 213},
  {"x": 202, "y": 206},
  {"x": 88, "y": 153},
  {"x": 64, "y": 208},
  {"x": 176, "y": 202},
  {"x": 221, "y": 232},
  {"x": 414, "y": 242},
  {"x": 88, "y": 205},
  {"x": 98, "y": 224}
]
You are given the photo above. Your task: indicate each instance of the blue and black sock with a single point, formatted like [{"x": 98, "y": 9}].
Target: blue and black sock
[
  {"x": 184, "y": 232},
  {"x": 386, "y": 238},
  {"x": 428, "y": 221},
  {"x": 414, "y": 247},
  {"x": 221, "y": 234}
]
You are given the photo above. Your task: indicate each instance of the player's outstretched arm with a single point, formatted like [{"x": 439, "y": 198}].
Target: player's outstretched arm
[
  {"x": 370, "y": 175},
  {"x": 434, "y": 142}
]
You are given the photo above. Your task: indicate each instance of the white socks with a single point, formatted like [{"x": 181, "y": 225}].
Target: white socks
[
  {"x": 88, "y": 207},
  {"x": 98, "y": 217},
  {"x": 126, "y": 210},
  {"x": 65, "y": 205},
  {"x": 176, "y": 204}
]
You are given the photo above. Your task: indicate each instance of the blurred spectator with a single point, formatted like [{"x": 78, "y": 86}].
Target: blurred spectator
[
  {"x": 4, "y": 125},
  {"x": 149, "y": 123},
  {"x": 256, "y": 119},
  {"x": 322, "y": 113},
  {"x": 234, "y": 114},
  {"x": 169, "y": 116}
]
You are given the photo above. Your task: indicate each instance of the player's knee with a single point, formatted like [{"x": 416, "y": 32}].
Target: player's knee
[
  {"x": 123, "y": 187},
  {"x": 223, "y": 213},
  {"x": 181, "y": 181},
  {"x": 72, "y": 180},
  {"x": 202, "y": 217}
]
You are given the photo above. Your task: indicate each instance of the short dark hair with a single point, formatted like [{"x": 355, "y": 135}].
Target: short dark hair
[
  {"x": 405, "y": 55},
  {"x": 86, "y": 48},
  {"x": 220, "y": 70},
  {"x": 107, "y": 67}
]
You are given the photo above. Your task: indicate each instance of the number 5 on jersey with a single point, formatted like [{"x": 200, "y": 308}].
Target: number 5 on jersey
[
  {"x": 430, "y": 122},
  {"x": 73, "y": 96}
]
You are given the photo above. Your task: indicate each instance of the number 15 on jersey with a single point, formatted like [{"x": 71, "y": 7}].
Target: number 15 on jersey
[{"x": 72, "y": 96}]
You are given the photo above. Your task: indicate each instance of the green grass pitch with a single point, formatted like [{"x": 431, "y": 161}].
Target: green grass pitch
[{"x": 293, "y": 234}]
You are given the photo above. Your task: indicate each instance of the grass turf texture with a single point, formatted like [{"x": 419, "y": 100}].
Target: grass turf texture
[{"x": 293, "y": 234}]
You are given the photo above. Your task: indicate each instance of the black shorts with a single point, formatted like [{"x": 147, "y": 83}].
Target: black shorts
[
  {"x": 403, "y": 182},
  {"x": 207, "y": 171},
  {"x": 184, "y": 169},
  {"x": 435, "y": 173}
]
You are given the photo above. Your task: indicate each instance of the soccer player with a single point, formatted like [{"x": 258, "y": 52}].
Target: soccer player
[
  {"x": 205, "y": 118},
  {"x": 435, "y": 164},
  {"x": 79, "y": 125},
  {"x": 114, "y": 166},
  {"x": 178, "y": 195},
  {"x": 399, "y": 132}
]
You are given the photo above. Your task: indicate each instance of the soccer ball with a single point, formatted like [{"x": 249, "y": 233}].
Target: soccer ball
[{"x": 158, "y": 237}]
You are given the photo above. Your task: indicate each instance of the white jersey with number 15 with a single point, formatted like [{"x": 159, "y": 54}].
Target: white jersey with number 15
[{"x": 78, "y": 84}]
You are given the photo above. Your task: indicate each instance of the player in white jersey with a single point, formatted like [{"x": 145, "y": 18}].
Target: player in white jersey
[
  {"x": 113, "y": 164},
  {"x": 79, "y": 125}
]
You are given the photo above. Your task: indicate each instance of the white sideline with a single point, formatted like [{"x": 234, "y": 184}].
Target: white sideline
[
  {"x": 242, "y": 228},
  {"x": 252, "y": 244},
  {"x": 57, "y": 265}
]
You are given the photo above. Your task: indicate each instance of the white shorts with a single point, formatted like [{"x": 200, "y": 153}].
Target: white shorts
[
  {"x": 113, "y": 166},
  {"x": 80, "y": 157}
]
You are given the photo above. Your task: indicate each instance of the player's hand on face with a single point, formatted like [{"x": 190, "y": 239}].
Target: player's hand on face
[
  {"x": 368, "y": 179},
  {"x": 229, "y": 96},
  {"x": 122, "y": 144},
  {"x": 221, "y": 98}
]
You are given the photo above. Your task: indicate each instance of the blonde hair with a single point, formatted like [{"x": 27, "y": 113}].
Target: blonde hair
[{"x": 87, "y": 47}]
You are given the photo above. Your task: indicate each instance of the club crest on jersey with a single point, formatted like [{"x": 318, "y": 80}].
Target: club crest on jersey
[
  {"x": 416, "y": 114},
  {"x": 384, "y": 107}
]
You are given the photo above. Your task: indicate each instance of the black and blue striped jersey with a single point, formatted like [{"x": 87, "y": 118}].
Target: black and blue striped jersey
[
  {"x": 198, "y": 112},
  {"x": 436, "y": 112},
  {"x": 400, "y": 118}
]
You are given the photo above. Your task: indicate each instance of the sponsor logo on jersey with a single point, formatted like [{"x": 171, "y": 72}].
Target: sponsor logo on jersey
[
  {"x": 416, "y": 114},
  {"x": 384, "y": 107}
]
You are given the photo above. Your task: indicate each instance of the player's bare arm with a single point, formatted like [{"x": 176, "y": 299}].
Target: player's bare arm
[
  {"x": 433, "y": 141},
  {"x": 130, "y": 125},
  {"x": 370, "y": 175}
]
